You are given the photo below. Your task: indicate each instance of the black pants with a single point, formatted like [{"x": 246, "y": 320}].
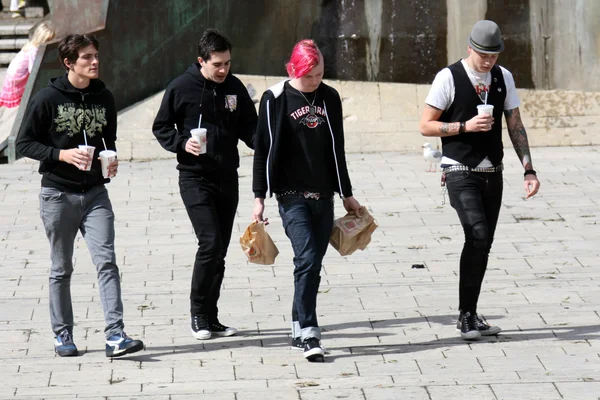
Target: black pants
[
  {"x": 477, "y": 198},
  {"x": 211, "y": 205}
]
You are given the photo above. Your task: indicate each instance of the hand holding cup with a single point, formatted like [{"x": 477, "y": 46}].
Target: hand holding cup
[
  {"x": 192, "y": 147},
  {"x": 483, "y": 121},
  {"x": 199, "y": 136},
  {"x": 87, "y": 164},
  {"x": 75, "y": 157},
  {"x": 109, "y": 162}
]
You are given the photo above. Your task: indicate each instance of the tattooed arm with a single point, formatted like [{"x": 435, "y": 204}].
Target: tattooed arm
[
  {"x": 431, "y": 126},
  {"x": 518, "y": 137}
]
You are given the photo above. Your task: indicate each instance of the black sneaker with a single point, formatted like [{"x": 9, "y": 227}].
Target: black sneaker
[
  {"x": 200, "y": 327},
  {"x": 467, "y": 325},
  {"x": 218, "y": 329},
  {"x": 481, "y": 325},
  {"x": 63, "y": 344},
  {"x": 484, "y": 328},
  {"x": 297, "y": 343},
  {"x": 312, "y": 350}
]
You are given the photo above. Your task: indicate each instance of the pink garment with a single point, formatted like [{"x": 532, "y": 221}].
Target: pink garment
[{"x": 16, "y": 77}]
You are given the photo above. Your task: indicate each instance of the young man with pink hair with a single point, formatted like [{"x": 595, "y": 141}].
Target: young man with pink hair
[{"x": 299, "y": 156}]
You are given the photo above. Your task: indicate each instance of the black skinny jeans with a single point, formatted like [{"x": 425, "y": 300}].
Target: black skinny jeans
[
  {"x": 477, "y": 198},
  {"x": 211, "y": 206}
]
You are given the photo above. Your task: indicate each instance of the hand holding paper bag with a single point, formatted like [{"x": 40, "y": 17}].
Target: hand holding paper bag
[
  {"x": 352, "y": 232},
  {"x": 258, "y": 245}
]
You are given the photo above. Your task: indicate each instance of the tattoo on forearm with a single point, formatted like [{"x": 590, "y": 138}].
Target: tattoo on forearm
[
  {"x": 518, "y": 137},
  {"x": 449, "y": 127}
]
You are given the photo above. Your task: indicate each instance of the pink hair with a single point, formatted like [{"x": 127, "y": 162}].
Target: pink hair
[{"x": 305, "y": 56}]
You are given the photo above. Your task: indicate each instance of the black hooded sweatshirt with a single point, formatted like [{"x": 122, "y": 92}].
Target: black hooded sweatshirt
[
  {"x": 228, "y": 114},
  {"x": 55, "y": 120}
]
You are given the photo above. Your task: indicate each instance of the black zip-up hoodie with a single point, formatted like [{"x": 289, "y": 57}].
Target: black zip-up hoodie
[
  {"x": 228, "y": 114},
  {"x": 269, "y": 138},
  {"x": 55, "y": 120}
]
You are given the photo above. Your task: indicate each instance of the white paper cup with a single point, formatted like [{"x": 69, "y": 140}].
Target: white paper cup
[
  {"x": 106, "y": 157},
  {"x": 199, "y": 135},
  {"x": 90, "y": 150},
  {"x": 484, "y": 109}
]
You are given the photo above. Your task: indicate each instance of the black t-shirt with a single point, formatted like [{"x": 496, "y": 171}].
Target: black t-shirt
[{"x": 307, "y": 152}]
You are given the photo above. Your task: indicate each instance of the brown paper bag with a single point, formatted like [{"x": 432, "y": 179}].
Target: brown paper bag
[
  {"x": 258, "y": 245},
  {"x": 351, "y": 233}
]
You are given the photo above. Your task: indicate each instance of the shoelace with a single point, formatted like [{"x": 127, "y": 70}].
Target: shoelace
[
  {"x": 65, "y": 337},
  {"x": 470, "y": 322},
  {"x": 480, "y": 321},
  {"x": 197, "y": 321},
  {"x": 217, "y": 325}
]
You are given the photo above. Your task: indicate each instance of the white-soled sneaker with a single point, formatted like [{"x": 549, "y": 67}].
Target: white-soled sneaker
[
  {"x": 313, "y": 351},
  {"x": 218, "y": 329},
  {"x": 121, "y": 344},
  {"x": 200, "y": 327}
]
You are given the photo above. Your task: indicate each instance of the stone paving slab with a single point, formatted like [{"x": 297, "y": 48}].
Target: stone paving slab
[{"x": 389, "y": 329}]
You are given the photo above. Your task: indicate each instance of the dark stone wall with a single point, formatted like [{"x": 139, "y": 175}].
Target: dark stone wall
[
  {"x": 143, "y": 47},
  {"x": 412, "y": 44},
  {"x": 513, "y": 17}
]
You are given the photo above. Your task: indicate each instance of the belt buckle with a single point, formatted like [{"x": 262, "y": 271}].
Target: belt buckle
[{"x": 312, "y": 195}]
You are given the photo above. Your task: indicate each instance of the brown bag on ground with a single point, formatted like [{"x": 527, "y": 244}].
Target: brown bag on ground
[
  {"x": 258, "y": 245},
  {"x": 351, "y": 233}
]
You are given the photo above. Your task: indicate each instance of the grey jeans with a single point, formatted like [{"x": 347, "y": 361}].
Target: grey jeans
[{"x": 63, "y": 215}]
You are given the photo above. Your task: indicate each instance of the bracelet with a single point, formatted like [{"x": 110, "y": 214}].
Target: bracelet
[
  {"x": 530, "y": 172},
  {"x": 462, "y": 128}
]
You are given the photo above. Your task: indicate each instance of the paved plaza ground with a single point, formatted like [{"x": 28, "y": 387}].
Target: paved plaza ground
[{"x": 389, "y": 328}]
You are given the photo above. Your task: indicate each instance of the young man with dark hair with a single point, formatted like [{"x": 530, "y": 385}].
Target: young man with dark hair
[
  {"x": 208, "y": 179},
  {"x": 74, "y": 109},
  {"x": 473, "y": 153}
]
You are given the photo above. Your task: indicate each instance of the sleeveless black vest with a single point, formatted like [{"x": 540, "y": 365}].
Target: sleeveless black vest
[{"x": 471, "y": 148}]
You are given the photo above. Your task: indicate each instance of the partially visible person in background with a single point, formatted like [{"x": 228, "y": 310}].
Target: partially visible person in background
[
  {"x": 20, "y": 67},
  {"x": 16, "y": 6}
]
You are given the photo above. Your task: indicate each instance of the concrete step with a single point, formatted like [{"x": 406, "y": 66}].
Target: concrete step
[
  {"x": 15, "y": 29},
  {"x": 12, "y": 43},
  {"x": 14, "y": 33}
]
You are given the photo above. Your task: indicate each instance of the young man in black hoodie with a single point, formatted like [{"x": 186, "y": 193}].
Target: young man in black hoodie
[
  {"x": 208, "y": 180},
  {"x": 76, "y": 109},
  {"x": 300, "y": 158}
]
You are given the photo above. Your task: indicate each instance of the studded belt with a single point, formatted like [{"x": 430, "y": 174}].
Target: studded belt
[
  {"x": 453, "y": 168},
  {"x": 305, "y": 194}
]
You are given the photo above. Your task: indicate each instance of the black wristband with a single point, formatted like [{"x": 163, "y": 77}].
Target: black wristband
[
  {"x": 530, "y": 172},
  {"x": 462, "y": 128}
]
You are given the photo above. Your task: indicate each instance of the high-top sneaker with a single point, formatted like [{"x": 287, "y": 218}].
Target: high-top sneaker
[
  {"x": 467, "y": 324},
  {"x": 313, "y": 351},
  {"x": 297, "y": 343},
  {"x": 200, "y": 327},
  {"x": 484, "y": 328},
  {"x": 481, "y": 325},
  {"x": 218, "y": 329}
]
